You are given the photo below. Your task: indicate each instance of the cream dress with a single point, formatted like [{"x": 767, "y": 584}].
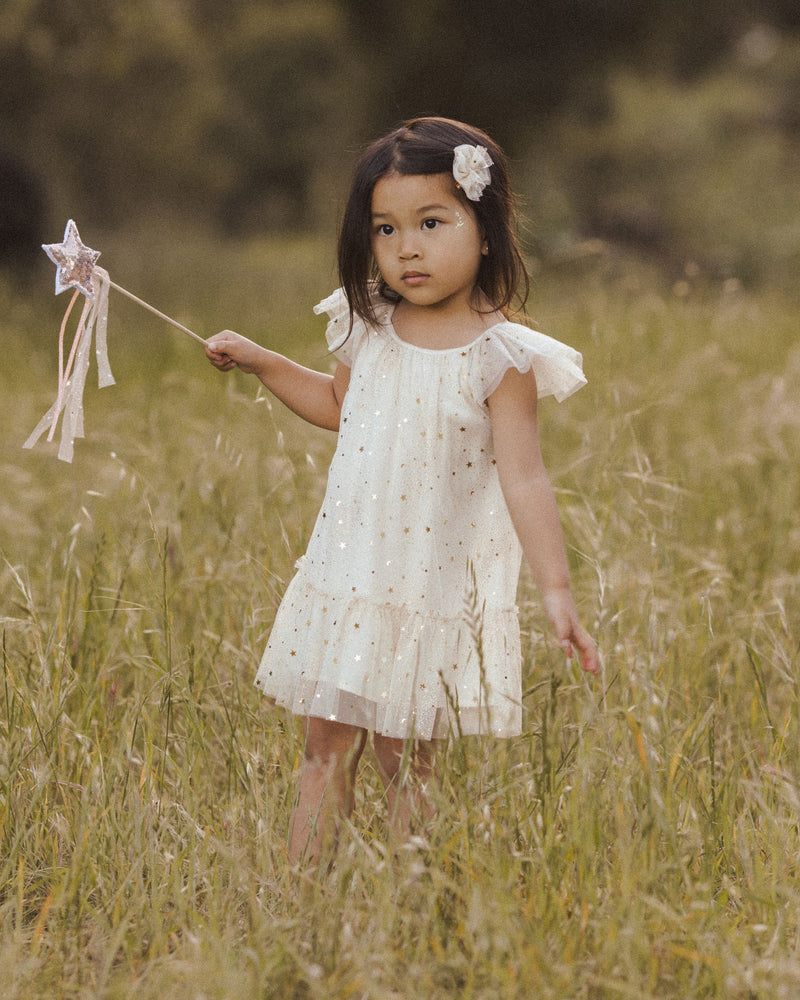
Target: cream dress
[{"x": 401, "y": 617}]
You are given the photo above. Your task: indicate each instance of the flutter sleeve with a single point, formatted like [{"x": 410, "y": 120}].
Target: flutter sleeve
[
  {"x": 343, "y": 346},
  {"x": 558, "y": 368}
]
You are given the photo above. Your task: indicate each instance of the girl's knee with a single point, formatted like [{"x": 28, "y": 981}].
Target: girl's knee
[
  {"x": 328, "y": 741},
  {"x": 394, "y": 754},
  {"x": 389, "y": 753}
]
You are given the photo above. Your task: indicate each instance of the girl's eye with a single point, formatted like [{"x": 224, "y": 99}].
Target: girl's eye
[
  {"x": 385, "y": 229},
  {"x": 430, "y": 223}
]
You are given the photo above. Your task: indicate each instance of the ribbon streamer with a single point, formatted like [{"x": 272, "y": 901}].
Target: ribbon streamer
[
  {"x": 76, "y": 267},
  {"x": 72, "y": 377}
]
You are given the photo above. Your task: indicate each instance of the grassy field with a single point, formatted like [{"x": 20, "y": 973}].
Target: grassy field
[{"x": 640, "y": 840}]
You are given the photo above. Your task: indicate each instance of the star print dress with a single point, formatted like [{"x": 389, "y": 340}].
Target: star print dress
[{"x": 401, "y": 617}]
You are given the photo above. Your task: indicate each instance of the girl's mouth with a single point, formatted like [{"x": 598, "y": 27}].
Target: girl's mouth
[{"x": 414, "y": 278}]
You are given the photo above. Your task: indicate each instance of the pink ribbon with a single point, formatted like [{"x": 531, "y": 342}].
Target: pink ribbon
[{"x": 72, "y": 376}]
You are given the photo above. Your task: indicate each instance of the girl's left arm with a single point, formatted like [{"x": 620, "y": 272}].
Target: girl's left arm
[{"x": 532, "y": 504}]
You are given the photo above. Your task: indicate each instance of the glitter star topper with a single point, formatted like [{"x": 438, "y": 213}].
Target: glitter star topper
[
  {"x": 74, "y": 262},
  {"x": 76, "y": 267}
]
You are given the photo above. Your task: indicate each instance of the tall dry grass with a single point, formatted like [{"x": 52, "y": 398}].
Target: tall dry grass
[{"x": 639, "y": 840}]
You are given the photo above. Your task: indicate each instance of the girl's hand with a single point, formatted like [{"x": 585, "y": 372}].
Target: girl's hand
[
  {"x": 229, "y": 350},
  {"x": 560, "y": 609}
]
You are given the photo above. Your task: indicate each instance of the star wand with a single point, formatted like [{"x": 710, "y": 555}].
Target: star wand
[{"x": 76, "y": 267}]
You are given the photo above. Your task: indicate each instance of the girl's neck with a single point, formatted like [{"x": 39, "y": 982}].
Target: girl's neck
[{"x": 440, "y": 329}]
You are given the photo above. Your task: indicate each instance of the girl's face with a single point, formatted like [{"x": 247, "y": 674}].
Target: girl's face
[{"x": 425, "y": 240}]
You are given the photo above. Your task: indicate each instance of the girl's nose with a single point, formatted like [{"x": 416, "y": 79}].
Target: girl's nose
[{"x": 408, "y": 250}]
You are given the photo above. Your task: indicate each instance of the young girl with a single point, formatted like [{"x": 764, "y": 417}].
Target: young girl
[{"x": 401, "y": 619}]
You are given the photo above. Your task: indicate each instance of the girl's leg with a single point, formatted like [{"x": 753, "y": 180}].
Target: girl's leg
[
  {"x": 327, "y": 781},
  {"x": 405, "y": 792}
]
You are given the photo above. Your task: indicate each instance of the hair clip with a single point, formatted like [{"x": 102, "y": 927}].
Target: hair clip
[{"x": 471, "y": 170}]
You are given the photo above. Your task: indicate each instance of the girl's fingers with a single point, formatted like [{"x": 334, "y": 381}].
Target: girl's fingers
[
  {"x": 588, "y": 650},
  {"x": 578, "y": 638},
  {"x": 216, "y": 353},
  {"x": 218, "y": 344},
  {"x": 222, "y": 362}
]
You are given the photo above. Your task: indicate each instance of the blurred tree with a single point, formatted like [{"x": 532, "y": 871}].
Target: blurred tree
[
  {"x": 21, "y": 214},
  {"x": 106, "y": 99},
  {"x": 283, "y": 69},
  {"x": 502, "y": 66},
  {"x": 512, "y": 64},
  {"x": 699, "y": 174},
  {"x": 215, "y": 110}
]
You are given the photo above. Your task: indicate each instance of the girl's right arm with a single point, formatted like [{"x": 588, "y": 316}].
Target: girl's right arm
[{"x": 312, "y": 395}]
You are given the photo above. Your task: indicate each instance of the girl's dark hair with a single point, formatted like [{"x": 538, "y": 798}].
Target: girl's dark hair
[{"x": 426, "y": 146}]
